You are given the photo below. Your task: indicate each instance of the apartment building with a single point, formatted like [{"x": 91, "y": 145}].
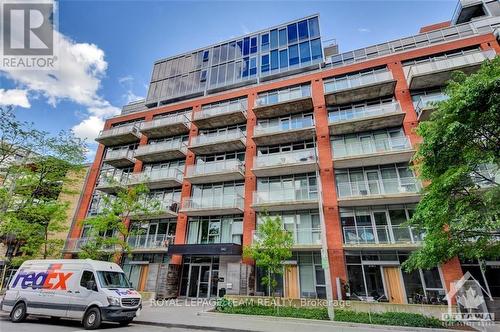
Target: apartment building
[{"x": 272, "y": 122}]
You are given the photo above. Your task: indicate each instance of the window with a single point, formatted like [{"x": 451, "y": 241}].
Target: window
[
  {"x": 253, "y": 45},
  {"x": 264, "y": 42},
  {"x": 203, "y": 76},
  {"x": 111, "y": 279},
  {"x": 264, "y": 65},
  {"x": 283, "y": 58},
  {"x": 292, "y": 33},
  {"x": 86, "y": 277},
  {"x": 316, "y": 49},
  {"x": 215, "y": 55},
  {"x": 274, "y": 39},
  {"x": 305, "y": 52},
  {"x": 253, "y": 66},
  {"x": 282, "y": 37},
  {"x": 245, "y": 67},
  {"x": 293, "y": 55},
  {"x": 274, "y": 60},
  {"x": 246, "y": 46},
  {"x": 303, "y": 33}
]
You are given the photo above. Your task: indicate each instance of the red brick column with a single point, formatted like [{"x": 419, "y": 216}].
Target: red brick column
[
  {"x": 452, "y": 271},
  {"x": 249, "y": 216},
  {"x": 329, "y": 195},
  {"x": 182, "y": 220},
  {"x": 493, "y": 45}
]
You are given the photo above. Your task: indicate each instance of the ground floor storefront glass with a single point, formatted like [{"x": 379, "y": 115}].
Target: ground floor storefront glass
[
  {"x": 487, "y": 273},
  {"x": 143, "y": 269},
  {"x": 199, "y": 276},
  {"x": 377, "y": 276}
]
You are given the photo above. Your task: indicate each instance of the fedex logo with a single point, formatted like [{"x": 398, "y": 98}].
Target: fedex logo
[{"x": 50, "y": 279}]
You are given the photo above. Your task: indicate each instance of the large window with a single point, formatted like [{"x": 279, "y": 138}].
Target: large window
[{"x": 226, "y": 229}]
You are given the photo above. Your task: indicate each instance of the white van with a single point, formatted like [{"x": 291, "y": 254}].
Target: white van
[{"x": 83, "y": 289}]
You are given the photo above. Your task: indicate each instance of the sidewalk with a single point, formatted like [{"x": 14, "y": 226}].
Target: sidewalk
[{"x": 186, "y": 314}]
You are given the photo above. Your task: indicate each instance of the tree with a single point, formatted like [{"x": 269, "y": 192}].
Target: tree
[
  {"x": 459, "y": 158},
  {"x": 112, "y": 220},
  {"x": 270, "y": 248}
]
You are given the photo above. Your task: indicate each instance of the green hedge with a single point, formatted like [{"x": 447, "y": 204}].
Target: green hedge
[{"x": 341, "y": 315}]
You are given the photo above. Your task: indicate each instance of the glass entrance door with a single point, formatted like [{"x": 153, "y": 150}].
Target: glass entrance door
[{"x": 199, "y": 280}]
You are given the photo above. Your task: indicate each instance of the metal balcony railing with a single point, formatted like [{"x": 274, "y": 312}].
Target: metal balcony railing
[
  {"x": 156, "y": 175},
  {"x": 159, "y": 147},
  {"x": 378, "y": 187},
  {"x": 216, "y": 202},
  {"x": 284, "y": 195},
  {"x": 284, "y": 95},
  {"x": 285, "y": 158},
  {"x": 370, "y": 147},
  {"x": 207, "y": 168},
  {"x": 295, "y": 124},
  {"x": 428, "y": 100},
  {"x": 302, "y": 236},
  {"x": 221, "y": 109},
  {"x": 119, "y": 154},
  {"x": 218, "y": 137},
  {"x": 116, "y": 131},
  {"x": 353, "y": 81},
  {"x": 363, "y": 112},
  {"x": 359, "y": 235},
  {"x": 165, "y": 121},
  {"x": 159, "y": 241}
]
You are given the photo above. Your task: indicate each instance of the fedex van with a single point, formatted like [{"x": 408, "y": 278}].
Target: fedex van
[{"x": 87, "y": 290}]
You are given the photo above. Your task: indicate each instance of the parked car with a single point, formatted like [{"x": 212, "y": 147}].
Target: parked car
[{"x": 83, "y": 289}]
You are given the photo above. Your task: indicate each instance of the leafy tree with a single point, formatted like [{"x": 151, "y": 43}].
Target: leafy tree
[
  {"x": 116, "y": 211},
  {"x": 459, "y": 158},
  {"x": 270, "y": 248}
]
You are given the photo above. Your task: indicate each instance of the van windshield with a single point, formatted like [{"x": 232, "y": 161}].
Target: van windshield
[{"x": 110, "y": 279}]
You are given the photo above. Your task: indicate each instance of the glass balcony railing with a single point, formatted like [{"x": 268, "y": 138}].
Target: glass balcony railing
[
  {"x": 165, "y": 121},
  {"x": 354, "y": 81},
  {"x": 156, "y": 175},
  {"x": 76, "y": 244},
  {"x": 117, "y": 131},
  {"x": 381, "y": 235},
  {"x": 363, "y": 112},
  {"x": 284, "y": 195},
  {"x": 207, "y": 168},
  {"x": 215, "y": 138},
  {"x": 159, "y": 207},
  {"x": 370, "y": 147},
  {"x": 302, "y": 236},
  {"x": 295, "y": 124},
  {"x": 378, "y": 187},
  {"x": 281, "y": 96},
  {"x": 221, "y": 109},
  {"x": 119, "y": 178},
  {"x": 159, "y": 241},
  {"x": 428, "y": 100},
  {"x": 119, "y": 154},
  {"x": 219, "y": 202},
  {"x": 285, "y": 158},
  {"x": 163, "y": 146}
]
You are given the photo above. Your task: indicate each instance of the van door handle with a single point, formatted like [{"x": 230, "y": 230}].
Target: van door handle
[
  {"x": 70, "y": 291},
  {"x": 77, "y": 292}
]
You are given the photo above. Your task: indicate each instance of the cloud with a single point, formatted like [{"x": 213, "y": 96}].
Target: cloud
[
  {"x": 364, "y": 30},
  {"x": 14, "y": 97},
  {"x": 89, "y": 128},
  {"x": 127, "y": 83}
]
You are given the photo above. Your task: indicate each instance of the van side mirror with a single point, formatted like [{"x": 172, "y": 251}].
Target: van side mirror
[{"x": 91, "y": 285}]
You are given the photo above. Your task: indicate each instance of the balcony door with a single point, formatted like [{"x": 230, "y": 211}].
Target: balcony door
[
  {"x": 373, "y": 180},
  {"x": 199, "y": 280},
  {"x": 394, "y": 284}
]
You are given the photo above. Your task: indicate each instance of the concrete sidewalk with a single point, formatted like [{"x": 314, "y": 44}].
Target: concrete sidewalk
[{"x": 195, "y": 315}]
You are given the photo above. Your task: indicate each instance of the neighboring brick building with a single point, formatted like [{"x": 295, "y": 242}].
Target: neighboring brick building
[{"x": 265, "y": 122}]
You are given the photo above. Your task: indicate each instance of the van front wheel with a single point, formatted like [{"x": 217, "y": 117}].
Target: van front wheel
[
  {"x": 18, "y": 313},
  {"x": 92, "y": 319}
]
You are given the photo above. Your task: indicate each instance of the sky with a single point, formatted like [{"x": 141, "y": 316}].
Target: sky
[{"x": 107, "y": 48}]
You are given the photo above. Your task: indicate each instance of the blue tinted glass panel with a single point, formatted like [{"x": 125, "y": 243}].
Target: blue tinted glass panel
[
  {"x": 264, "y": 42},
  {"x": 293, "y": 55},
  {"x": 253, "y": 66},
  {"x": 245, "y": 67},
  {"x": 253, "y": 45},
  {"x": 232, "y": 51},
  {"x": 205, "y": 56},
  {"x": 283, "y": 58},
  {"x": 274, "y": 39},
  {"x": 313, "y": 27},
  {"x": 282, "y": 37},
  {"x": 303, "y": 34},
  {"x": 264, "y": 63},
  {"x": 316, "y": 49},
  {"x": 246, "y": 46},
  {"x": 274, "y": 60},
  {"x": 305, "y": 53},
  {"x": 292, "y": 33}
]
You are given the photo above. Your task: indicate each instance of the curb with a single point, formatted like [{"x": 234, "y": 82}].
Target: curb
[{"x": 190, "y": 327}]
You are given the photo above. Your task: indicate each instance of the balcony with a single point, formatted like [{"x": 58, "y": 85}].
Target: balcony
[
  {"x": 284, "y": 102},
  {"x": 172, "y": 125},
  {"x": 365, "y": 119},
  {"x": 376, "y": 192},
  {"x": 158, "y": 178},
  {"x": 437, "y": 73},
  {"x": 120, "y": 158},
  {"x": 293, "y": 162},
  {"x": 146, "y": 243},
  {"x": 303, "y": 238},
  {"x": 220, "y": 205},
  {"x": 353, "y": 88},
  {"x": 222, "y": 115},
  {"x": 163, "y": 151},
  {"x": 218, "y": 142},
  {"x": 111, "y": 184},
  {"x": 427, "y": 104},
  {"x": 381, "y": 237},
  {"x": 218, "y": 171},
  {"x": 285, "y": 200},
  {"x": 373, "y": 152},
  {"x": 74, "y": 245},
  {"x": 119, "y": 135},
  {"x": 163, "y": 209},
  {"x": 294, "y": 131}
]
